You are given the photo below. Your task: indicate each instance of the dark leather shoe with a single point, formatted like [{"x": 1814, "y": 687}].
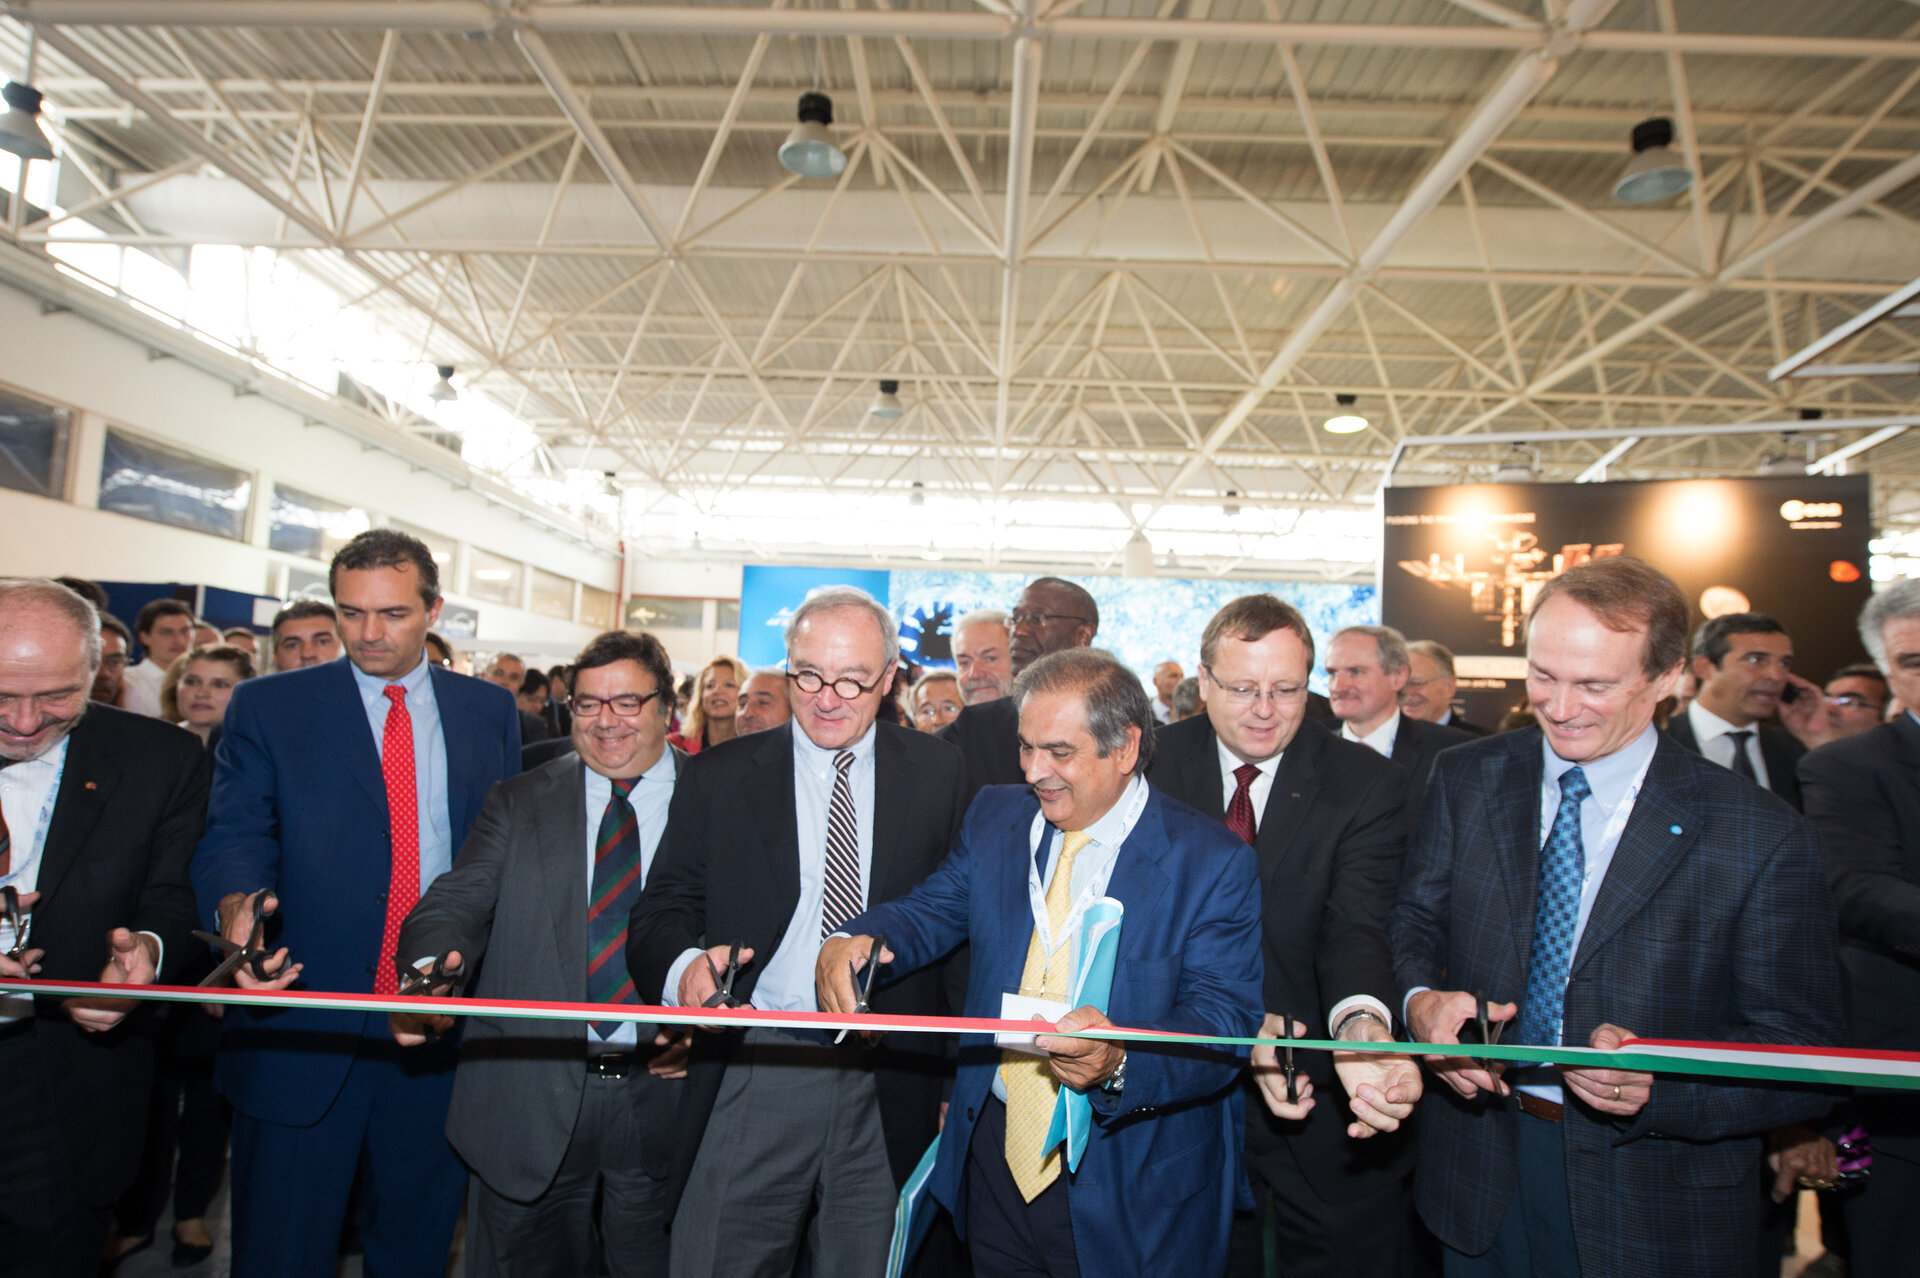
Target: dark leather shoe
[{"x": 186, "y": 1253}]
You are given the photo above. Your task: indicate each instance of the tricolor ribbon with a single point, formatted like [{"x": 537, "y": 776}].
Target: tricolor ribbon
[{"x": 1749, "y": 1061}]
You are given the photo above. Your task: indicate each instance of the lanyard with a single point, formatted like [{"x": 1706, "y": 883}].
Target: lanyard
[
  {"x": 42, "y": 822},
  {"x": 1095, "y": 888}
]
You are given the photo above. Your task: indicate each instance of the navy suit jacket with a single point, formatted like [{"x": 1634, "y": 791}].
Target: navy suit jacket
[
  {"x": 299, "y": 806},
  {"x": 1155, "y": 1193},
  {"x": 1714, "y": 922}
]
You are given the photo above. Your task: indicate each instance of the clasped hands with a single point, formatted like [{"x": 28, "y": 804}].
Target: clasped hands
[
  {"x": 1381, "y": 1087},
  {"x": 133, "y": 958},
  {"x": 1436, "y": 1016},
  {"x": 1079, "y": 1063}
]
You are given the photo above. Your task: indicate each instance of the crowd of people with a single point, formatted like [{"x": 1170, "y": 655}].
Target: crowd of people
[{"x": 1676, "y": 837}]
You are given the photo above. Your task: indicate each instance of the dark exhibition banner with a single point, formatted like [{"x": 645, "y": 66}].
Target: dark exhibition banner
[{"x": 1462, "y": 565}]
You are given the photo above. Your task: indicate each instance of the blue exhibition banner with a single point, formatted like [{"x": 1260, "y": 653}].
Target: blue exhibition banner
[{"x": 768, "y": 596}]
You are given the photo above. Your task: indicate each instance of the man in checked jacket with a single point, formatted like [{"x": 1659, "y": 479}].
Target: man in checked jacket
[{"x": 1597, "y": 882}]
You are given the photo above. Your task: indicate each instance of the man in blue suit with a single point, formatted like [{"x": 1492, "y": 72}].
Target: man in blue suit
[
  {"x": 1155, "y": 1192},
  {"x": 340, "y": 792}
]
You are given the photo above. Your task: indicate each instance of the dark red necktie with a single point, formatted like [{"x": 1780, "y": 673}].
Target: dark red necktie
[
  {"x": 403, "y": 819},
  {"x": 1240, "y": 811},
  {"x": 6, "y": 840}
]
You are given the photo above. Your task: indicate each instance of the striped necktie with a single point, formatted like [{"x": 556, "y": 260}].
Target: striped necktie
[
  {"x": 843, "y": 896},
  {"x": 616, "y": 884}
]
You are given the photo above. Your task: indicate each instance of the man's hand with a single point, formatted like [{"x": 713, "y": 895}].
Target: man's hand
[
  {"x": 1619, "y": 1092},
  {"x": 1080, "y": 1063},
  {"x": 29, "y": 961},
  {"x": 671, "y": 1063},
  {"x": 411, "y": 1029},
  {"x": 1806, "y": 715},
  {"x": 696, "y": 983},
  {"x": 1796, "y": 1151},
  {"x": 1271, "y": 1079},
  {"x": 1381, "y": 1088},
  {"x": 833, "y": 978},
  {"x": 1435, "y": 1016},
  {"x": 132, "y": 959},
  {"x": 236, "y": 924}
]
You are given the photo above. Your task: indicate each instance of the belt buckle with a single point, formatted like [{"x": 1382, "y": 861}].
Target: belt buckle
[{"x": 610, "y": 1064}]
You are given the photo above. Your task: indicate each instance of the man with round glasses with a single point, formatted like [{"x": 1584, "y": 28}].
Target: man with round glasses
[
  {"x": 551, "y": 1115},
  {"x": 1324, "y": 817},
  {"x": 775, "y": 839}
]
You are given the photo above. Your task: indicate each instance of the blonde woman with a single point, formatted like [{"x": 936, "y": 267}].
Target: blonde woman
[
  {"x": 198, "y": 685},
  {"x": 715, "y": 702}
]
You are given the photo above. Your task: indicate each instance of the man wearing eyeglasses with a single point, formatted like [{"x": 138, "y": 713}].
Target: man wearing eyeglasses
[
  {"x": 773, "y": 841},
  {"x": 554, "y": 1115},
  {"x": 1324, "y": 818},
  {"x": 1052, "y": 615}
]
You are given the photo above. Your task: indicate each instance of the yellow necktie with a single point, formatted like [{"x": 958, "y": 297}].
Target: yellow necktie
[{"x": 1031, "y": 1087}]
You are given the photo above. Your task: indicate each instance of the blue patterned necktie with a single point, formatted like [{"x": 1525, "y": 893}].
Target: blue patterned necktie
[{"x": 1563, "y": 864}]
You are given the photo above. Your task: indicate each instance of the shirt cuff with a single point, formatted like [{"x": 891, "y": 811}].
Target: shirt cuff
[
  {"x": 160, "y": 955},
  {"x": 1366, "y": 1002},
  {"x": 670, "y": 997},
  {"x": 1404, "y": 1019}
]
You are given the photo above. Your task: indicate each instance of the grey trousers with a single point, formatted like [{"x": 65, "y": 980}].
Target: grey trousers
[
  {"x": 557, "y": 1234},
  {"x": 793, "y": 1153}
]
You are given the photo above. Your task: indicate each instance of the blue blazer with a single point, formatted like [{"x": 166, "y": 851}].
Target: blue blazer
[
  {"x": 1156, "y": 1191},
  {"x": 299, "y": 805}
]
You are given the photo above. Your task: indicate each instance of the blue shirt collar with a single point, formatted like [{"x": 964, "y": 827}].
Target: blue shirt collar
[
  {"x": 414, "y": 681},
  {"x": 820, "y": 757},
  {"x": 1609, "y": 777}
]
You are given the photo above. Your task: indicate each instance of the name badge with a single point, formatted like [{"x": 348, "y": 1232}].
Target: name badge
[{"x": 1021, "y": 1007}]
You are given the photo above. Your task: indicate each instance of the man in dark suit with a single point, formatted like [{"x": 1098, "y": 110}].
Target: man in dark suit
[
  {"x": 1367, "y": 669},
  {"x": 1863, "y": 796},
  {"x": 1744, "y": 661},
  {"x": 1324, "y": 818},
  {"x": 552, "y": 1115},
  {"x": 340, "y": 791},
  {"x": 1597, "y": 882},
  {"x": 1155, "y": 1192},
  {"x": 773, "y": 841},
  {"x": 100, "y": 810},
  {"x": 1431, "y": 685},
  {"x": 1052, "y": 615}
]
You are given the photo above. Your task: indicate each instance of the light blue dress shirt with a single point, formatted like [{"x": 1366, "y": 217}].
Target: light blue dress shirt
[
  {"x": 649, "y": 797},
  {"x": 429, "y": 759}
]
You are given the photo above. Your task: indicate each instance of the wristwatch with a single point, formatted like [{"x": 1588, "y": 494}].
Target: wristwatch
[
  {"x": 1117, "y": 1079},
  {"x": 1356, "y": 1013}
]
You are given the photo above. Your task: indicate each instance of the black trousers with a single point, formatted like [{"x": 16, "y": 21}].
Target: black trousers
[
  {"x": 47, "y": 1229},
  {"x": 1536, "y": 1235},
  {"x": 1363, "y": 1237},
  {"x": 188, "y": 1118},
  {"x": 1008, "y": 1236},
  {"x": 1880, "y": 1218}
]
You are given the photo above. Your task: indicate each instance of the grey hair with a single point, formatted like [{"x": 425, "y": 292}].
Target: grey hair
[
  {"x": 826, "y": 598},
  {"x": 981, "y": 617},
  {"x": 26, "y": 592},
  {"x": 1186, "y": 696},
  {"x": 1434, "y": 650},
  {"x": 1896, "y": 603},
  {"x": 1391, "y": 643},
  {"x": 1115, "y": 699}
]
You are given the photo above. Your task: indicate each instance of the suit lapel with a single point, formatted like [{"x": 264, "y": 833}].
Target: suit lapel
[
  {"x": 1138, "y": 880},
  {"x": 1663, "y": 826},
  {"x": 780, "y": 834},
  {"x": 1680, "y": 728},
  {"x": 460, "y": 745},
  {"x": 87, "y": 782},
  {"x": 1512, "y": 780},
  {"x": 1200, "y": 777},
  {"x": 892, "y": 782},
  {"x": 560, "y": 838},
  {"x": 341, "y": 720},
  {"x": 1296, "y": 783}
]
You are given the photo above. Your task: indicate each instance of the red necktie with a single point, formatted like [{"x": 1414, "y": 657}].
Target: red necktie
[
  {"x": 1240, "y": 811},
  {"x": 403, "y": 818}
]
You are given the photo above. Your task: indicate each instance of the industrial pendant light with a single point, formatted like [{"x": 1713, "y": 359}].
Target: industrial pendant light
[
  {"x": 1346, "y": 421},
  {"x": 1654, "y": 173},
  {"x": 810, "y": 149},
  {"x": 886, "y": 405},
  {"x": 1516, "y": 469},
  {"x": 443, "y": 391},
  {"x": 20, "y": 129}
]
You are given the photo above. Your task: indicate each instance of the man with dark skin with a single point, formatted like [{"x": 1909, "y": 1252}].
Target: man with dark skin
[{"x": 1052, "y": 615}]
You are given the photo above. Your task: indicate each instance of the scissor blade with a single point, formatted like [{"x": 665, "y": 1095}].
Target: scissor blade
[{"x": 228, "y": 966}]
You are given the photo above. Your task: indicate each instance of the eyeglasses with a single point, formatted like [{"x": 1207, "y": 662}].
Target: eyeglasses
[
  {"x": 1852, "y": 701},
  {"x": 1037, "y": 619},
  {"x": 1244, "y": 695},
  {"x": 847, "y": 689},
  {"x": 113, "y": 663},
  {"x": 626, "y": 705}
]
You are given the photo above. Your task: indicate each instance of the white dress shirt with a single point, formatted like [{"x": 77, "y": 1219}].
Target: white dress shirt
[
  {"x": 140, "y": 692},
  {"x": 1380, "y": 740},
  {"x": 786, "y": 976},
  {"x": 1162, "y": 712},
  {"x": 1710, "y": 730},
  {"x": 1262, "y": 782},
  {"x": 649, "y": 797}
]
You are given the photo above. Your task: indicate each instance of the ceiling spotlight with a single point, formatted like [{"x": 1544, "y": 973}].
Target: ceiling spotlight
[
  {"x": 1654, "y": 173},
  {"x": 1812, "y": 414},
  {"x": 1346, "y": 421},
  {"x": 1776, "y": 464},
  {"x": 932, "y": 553},
  {"x": 810, "y": 149},
  {"x": 443, "y": 391},
  {"x": 918, "y": 497},
  {"x": 1231, "y": 506},
  {"x": 886, "y": 405},
  {"x": 20, "y": 130},
  {"x": 1517, "y": 468},
  {"x": 1137, "y": 559}
]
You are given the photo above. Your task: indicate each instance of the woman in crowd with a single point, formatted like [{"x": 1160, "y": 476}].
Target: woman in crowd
[
  {"x": 715, "y": 700},
  {"x": 197, "y": 687},
  {"x": 936, "y": 700}
]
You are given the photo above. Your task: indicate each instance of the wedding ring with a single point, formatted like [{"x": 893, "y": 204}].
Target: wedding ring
[{"x": 1616, "y": 1091}]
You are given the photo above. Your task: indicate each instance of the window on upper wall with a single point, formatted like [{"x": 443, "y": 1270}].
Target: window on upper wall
[
  {"x": 164, "y": 486},
  {"x": 440, "y": 547},
  {"x": 312, "y": 526},
  {"x": 729, "y": 618},
  {"x": 552, "y": 595},
  {"x": 598, "y": 607},
  {"x": 493, "y": 578},
  {"x": 33, "y": 445},
  {"x": 655, "y": 612}
]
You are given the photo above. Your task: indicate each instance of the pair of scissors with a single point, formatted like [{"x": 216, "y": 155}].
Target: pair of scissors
[
  {"x": 722, "y": 996},
  {"x": 1287, "y": 1066},
  {"x": 418, "y": 980},
  {"x": 864, "y": 988},
  {"x": 254, "y": 954},
  {"x": 20, "y": 921},
  {"x": 1489, "y": 1029}
]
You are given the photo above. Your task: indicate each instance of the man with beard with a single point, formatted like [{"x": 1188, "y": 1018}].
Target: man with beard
[
  {"x": 980, "y": 656},
  {"x": 1744, "y": 661}
]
